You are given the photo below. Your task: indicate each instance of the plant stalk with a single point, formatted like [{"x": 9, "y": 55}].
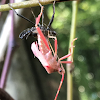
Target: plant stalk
[
  {"x": 69, "y": 67},
  {"x": 27, "y": 4}
]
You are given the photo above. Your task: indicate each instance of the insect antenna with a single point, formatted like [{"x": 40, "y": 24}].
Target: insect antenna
[{"x": 21, "y": 15}]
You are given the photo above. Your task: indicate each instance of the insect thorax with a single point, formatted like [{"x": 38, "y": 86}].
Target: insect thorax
[{"x": 33, "y": 32}]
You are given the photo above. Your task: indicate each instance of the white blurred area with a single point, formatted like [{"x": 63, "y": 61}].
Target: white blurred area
[
  {"x": 18, "y": 82},
  {"x": 5, "y": 32}
]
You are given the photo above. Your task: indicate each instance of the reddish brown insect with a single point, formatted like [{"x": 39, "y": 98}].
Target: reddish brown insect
[{"x": 43, "y": 52}]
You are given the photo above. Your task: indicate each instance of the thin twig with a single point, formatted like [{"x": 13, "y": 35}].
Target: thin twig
[
  {"x": 2, "y": 2},
  {"x": 69, "y": 67},
  {"x": 27, "y": 4}
]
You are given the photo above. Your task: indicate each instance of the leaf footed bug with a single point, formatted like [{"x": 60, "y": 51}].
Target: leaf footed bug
[
  {"x": 42, "y": 49},
  {"x": 51, "y": 62}
]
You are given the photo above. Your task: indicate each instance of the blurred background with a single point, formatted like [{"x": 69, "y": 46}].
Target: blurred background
[{"x": 28, "y": 80}]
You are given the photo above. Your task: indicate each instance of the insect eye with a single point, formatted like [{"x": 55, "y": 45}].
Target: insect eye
[{"x": 60, "y": 70}]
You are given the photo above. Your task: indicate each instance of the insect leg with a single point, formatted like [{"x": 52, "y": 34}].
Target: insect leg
[
  {"x": 42, "y": 19},
  {"x": 52, "y": 18},
  {"x": 66, "y": 56},
  {"x": 71, "y": 51},
  {"x": 21, "y": 15},
  {"x": 33, "y": 13},
  {"x": 38, "y": 28},
  {"x": 42, "y": 13},
  {"x": 59, "y": 86}
]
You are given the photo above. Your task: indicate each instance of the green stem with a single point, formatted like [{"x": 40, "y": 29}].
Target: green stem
[
  {"x": 26, "y": 4},
  {"x": 69, "y": 67}
]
